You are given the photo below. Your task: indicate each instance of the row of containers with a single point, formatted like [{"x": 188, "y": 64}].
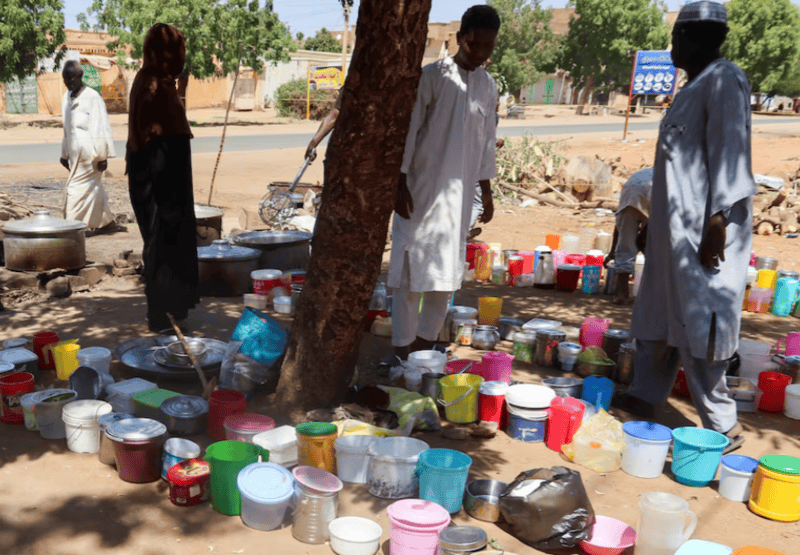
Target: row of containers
[{"x": 770, "y": 289}]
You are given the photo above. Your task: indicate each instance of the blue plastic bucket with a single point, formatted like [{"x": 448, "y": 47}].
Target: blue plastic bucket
[
  {"x": 526, "y": 429},
  {"x": 443, "y": 477},
  {"x": 696, "y": 454},
  {"x": 598, "y": 390}
]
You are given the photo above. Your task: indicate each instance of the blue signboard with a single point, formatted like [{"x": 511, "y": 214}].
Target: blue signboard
[{"x": 653, "y": 73}]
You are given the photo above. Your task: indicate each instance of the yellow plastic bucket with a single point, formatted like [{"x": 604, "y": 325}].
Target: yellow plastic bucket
[
  {"x": 775, "y": 493},
  {"x": 489, "y": 310},
  {"x": 65, "y": 355},
  {"x": 460, "y": 397}
]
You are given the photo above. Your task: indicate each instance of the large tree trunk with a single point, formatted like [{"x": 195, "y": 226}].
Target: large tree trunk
[
  {"x": 361, "y": 176},
  {"x": 586, "y": 94}
]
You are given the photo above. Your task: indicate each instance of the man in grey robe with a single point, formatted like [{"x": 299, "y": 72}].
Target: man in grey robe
[{"x": 699, "y": 238}]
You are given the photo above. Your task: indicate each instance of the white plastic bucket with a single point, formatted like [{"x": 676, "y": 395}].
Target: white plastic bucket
[
  {"x": 646, "y": 448},
  {"x": 736, "y": 477},
  {"x": 80, "y": 424},
  {"x": 392, "y": 462},
  {"x": 352, "y": 459},
  {"x": 96, "y": 358},
  {"x": 792, "y": 404},
  {"x": 48, "y": 414}
]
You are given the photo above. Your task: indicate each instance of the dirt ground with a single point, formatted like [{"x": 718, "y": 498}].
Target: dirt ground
[{"x": 57, "y": 502}]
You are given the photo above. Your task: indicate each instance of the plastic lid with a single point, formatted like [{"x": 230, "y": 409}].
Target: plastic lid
[
  {"x": 107, "y": 419},
  {"x": 6, "y": 367},
  {"x": 530, "y": 396},
  {"x": 418, "y": 513},
  {"x": 154, "y": 397},
  {"x": 182, "y": 448},
  {"x": 462, "y": 538},
  {"x": 265, "y": 482},
  {"x": 317, "y": 480},
  {"x": 562, "y": 268},
  {"x": 222, "y": 251},
  {"x": 189, "y": 472},
  {"x": 14, "y": 343},
  {"x": 494, "y": 388},
  {"x": 619, "y": 334},
  {"x": 740, "y": 463},
  {"x": 782, "y": 464},
  {"x": 250, "y": 422},
  {"x": 184, "y": 406},
  {"x": 136, "y": 429},
  {"x": 59, "y": 396},
  {"x": 88, "y": 410},
  {"x": 18, "y": 354},
  {"x": 266, "y": 275},
  {"x": 316, "y": 428},
  {"x": 130, "y": 387},
  {"x": 30, "y": 399},
  {"x": 94, "y": 353},
  {"x": 542, "y": 248},
  {"x": 649, "y": 431}
]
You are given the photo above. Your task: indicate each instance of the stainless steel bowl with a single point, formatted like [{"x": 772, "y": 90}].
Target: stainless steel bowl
[
  {"x": 482, "y": 499},
  {"x": 176, "y": 354},
  {"x": 565, "y": 387}
]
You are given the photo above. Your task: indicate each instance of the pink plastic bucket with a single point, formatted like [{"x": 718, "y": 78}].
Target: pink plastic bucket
[
  {"x": 496, "y": 367},
  {"x": 415, "y": 525},
  {"x": 592, "y": 331},
  {"x": 457, "y": 365}
]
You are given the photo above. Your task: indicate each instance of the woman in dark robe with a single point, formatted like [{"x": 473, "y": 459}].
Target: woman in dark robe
[{"x": 159, "y": 170}]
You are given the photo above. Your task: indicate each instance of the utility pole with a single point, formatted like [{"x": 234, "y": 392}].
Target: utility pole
[{"x": 346, "y": 5}]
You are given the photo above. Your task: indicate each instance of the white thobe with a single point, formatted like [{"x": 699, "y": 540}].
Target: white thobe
[
  {"x": 702, "y": 167},
  {"x": 87, "y": 141},
  {"x": 449, "y": 148},
  {"x": 636, "y": 192}
]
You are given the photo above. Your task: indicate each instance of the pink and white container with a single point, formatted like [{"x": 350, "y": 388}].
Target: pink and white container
[
  {"x": 592, "y": 331},
  {"x": 496, "y": 366},
  {"x": 415, "y": 526},
  {"x": 244, "y": 426},
  {"x": 264, "y": 281}
]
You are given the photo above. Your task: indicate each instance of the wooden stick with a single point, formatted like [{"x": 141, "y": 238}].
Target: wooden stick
[
  {"x": 538, "y": 197},
  {"x": 191, "y": 356},
  {"x": 559, "y": 193}
]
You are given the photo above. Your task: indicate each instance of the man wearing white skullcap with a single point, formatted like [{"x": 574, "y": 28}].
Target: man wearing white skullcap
[{"x": 700, "y": 231}]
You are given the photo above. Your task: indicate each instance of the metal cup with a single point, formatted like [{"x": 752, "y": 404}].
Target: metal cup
[{"x": 430, "y": 384}]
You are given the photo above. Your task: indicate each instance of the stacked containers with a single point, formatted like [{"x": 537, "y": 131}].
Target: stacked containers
[
  {"x": 315, "y": 445},
  {"x": 266, "y": 489},
  {"x": 492, "y": 402},
  {"x": 137, "y": 448},
  {"x": 81, "y": 424},
  {"x": 317, "y": 498},
  {"x": 415, "y": 526},
  {"x": 281, "y": 443},
  {"x": 177, "y": 450},
  {"x": 528, "y": 406}
]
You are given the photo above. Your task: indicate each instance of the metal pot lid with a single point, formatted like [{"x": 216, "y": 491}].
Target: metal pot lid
[
  {"x": 222, "y": 251},
  {"x": 268, "y": 237},
  {"x": 569, "y": 268},
  {"x": 184, "y": 406},
  {"x": 136, "y": 429},
  {"x": 617, "y": 334},
  {"x": 627, "y": 347},
  {"x": 483, "y": 327},
  {"x": 550, "y": 334},
  {"x": 462, "y": 538},
  {"x": 203, "y": 212},
  {"x": 511, "y": 322},
  {"x": 109, "y": 418},
  {"x": 43, "y": 222},
  {"x": 6, "y": 367}
]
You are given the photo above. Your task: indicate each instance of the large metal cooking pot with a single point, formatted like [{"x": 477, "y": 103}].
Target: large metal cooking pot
[
  {"x": 209, "y": 224},
  {"x": 225, "y": 269},
  {"x": 44, "y": 243},
  {"x": 280, "y": 250}
]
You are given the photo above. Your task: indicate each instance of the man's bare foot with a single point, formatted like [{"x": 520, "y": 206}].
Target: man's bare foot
[{"x": 622, "y": 289}]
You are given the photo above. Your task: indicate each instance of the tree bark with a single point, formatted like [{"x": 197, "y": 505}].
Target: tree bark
[
  {"x": 361, "y": 177},
  {"x": 585, "y": 94}
]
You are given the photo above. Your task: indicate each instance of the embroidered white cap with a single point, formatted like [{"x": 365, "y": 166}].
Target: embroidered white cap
[{"x": 703, "y": 11}]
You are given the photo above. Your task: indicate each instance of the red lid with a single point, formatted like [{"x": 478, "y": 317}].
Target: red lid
[
  {"x": 188, "y": 472},
  {"x": 249, "y": 422}
]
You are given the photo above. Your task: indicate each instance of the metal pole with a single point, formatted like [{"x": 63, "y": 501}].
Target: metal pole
[
  {"x": 344, "y": 41},
  {"x": 630, "y": 90}
]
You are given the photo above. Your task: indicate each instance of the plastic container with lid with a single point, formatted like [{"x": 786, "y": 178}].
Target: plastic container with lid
[
  {"x": 81, "y": 424},
  {"x": 185, "y": 415},
  {"x": 177, "y": 450},
  {"x": 281, "y": 443},
  {"x": 244, "y": 426},
  {"x": 315, "y": 445},
  {"x": 24, "y": 360},
  {"x": 491, "y": 402},
  {"x": 188, "y": 482},
  {"x": 283, "y": 305},
  {"x": 736, "y": 477},
  {"x": 137, "y": 448},
  {"x": 775, "y": 493},
  {"x": 106, "y": 452},
  {"x": 120, "y": 394},
  {"x": 15, "y": 342},
  {"x": 264, "y": 281},
  {"x": 415, "y": 526},
  {"x": 147, "y": 404},
  {"x": 646, "y": 448},
  {"x": 459, "y": 540},
  {"x": 28, "y": 403},
  {"x": 529, "y": 396},
  {"x": 48, "y": 413},
  {"x": 266, "y": 490},
  {"x": 391, "y": 471},
  {"x": 96, "y": 358}
]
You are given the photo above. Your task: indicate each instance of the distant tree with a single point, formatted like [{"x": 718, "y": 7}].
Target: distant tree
[
  {"x": 764, "y": 40},
  {"x": 323, "y": 41},
  {"x": 603, "y": 36},
  {"x": 29, "y": 30},
  {"x": 299, "y": 36},
  {"x": 526, "y": 46}
]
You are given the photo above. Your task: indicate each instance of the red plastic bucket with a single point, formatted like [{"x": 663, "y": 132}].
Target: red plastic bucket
[
  {"x": 471, "y": 248},
  {"x": 577, "y": 259},
  {"x": 527, "y": 264},
  {"x": 40, "y": 341},
  {"x": 567, "y": 277},
  {"x": 492, "y": 403},
  {"x": 221, "y": 404},
  {"x": 773, "y": 384},
  {"x": 12, "y": 388}
]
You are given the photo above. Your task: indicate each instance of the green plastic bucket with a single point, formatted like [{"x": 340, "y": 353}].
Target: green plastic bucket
[{"x": 227, "y": 459}]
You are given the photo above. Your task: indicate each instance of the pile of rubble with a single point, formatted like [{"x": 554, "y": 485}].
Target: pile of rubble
[{"x": 777, "y": 212}]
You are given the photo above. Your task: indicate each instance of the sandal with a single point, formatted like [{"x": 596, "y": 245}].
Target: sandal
[{"x": 735, "y": 443}]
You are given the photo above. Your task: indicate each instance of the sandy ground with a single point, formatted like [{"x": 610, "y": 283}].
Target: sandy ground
[{"x": 57, "y": 502}]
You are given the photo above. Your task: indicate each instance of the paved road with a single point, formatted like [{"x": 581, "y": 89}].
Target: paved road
[{"x": 51, "y": 152}]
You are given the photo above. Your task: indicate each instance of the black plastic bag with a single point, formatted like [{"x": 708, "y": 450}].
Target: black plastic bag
[{"x": 548, "y": 508}]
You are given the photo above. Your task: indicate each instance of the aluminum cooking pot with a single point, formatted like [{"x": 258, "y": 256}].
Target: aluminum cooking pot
[
  {"x": 225, "y": 269},
  {"x": 44, "y": 243},
  {"x": 280, "y": 250}
]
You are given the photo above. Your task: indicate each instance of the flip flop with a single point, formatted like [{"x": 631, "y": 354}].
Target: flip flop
[{"x": 734, "y": 444}]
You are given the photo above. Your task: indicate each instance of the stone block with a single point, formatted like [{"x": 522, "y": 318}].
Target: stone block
[
  {"x": 58, "y": 287},
  {"x": 91, "y": 274}
]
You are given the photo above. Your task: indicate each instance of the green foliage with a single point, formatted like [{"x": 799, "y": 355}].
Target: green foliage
[
  {"x": 290, "y": 100},
  {"x": 526, "y": 47},
  {"x": 300, "y": 36},
  {"x": 603, "y": 36},
  {"x": 29, "y": 30},
  {"x": 230, "y": 32},
  {"x": 764, "y": 40},
  {"x": 521, "y": 160},
  {"x": 323, "y": 41}
]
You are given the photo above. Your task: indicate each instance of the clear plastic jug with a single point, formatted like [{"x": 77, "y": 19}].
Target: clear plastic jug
[{"x": 665, "y": 523}]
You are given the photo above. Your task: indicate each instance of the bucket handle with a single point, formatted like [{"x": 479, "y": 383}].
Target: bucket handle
[{"x": 456, "y": 401}]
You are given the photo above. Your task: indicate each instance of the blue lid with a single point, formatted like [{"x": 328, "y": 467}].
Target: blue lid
[
  {"x": 266, "y": 483},
  {"x": 740, "y": 463},
  {"x": 647, "y": 430}
]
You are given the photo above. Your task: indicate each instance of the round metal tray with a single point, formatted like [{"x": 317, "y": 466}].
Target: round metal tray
[{"x": 139, "y": 356}]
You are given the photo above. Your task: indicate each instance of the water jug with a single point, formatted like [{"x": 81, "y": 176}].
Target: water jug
[
  {"x": 791, "y": 344},
  {"x": 665, "y": 523},
  {"x": 544, "y": 277},
  {"x": 786, "y": 293}
]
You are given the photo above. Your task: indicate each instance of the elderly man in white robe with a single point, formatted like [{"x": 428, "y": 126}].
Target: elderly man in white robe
[
  {"x": 85, "y": 149},
  {"x": 699, "y": 238},
  {"x": 450, "y": 147}
]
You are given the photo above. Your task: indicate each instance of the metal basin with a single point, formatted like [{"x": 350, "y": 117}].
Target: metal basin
[
  {"x": 43, "y": 243},
  {"x": 482, "y": 499},
  {"x": 565, "y": 387},
  {"x": 280, "y": 250}
]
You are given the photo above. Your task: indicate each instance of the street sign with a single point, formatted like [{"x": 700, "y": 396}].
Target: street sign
[{"x": 653, "y": 73}]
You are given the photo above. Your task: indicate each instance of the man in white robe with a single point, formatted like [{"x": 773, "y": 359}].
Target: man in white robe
[
  {"x": 450, "y": 147},
  {"x": 85, "y": 149},
  {"x": 700, "y": 231}
]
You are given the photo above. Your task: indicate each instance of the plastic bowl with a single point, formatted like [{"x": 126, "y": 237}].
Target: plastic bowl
[
  {"x": 353, "y": 535},
  {"x": 609, "y": 536}
]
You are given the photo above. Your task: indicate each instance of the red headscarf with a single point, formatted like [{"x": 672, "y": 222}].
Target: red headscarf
[{"x": 155, "y": 109}]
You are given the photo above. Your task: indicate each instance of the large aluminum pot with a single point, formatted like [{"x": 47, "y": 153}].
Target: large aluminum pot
[
  {"x": 44, "y": 243},
  {"x": 209, "y": 224},
  {"x": 225, "y": 269},
  {"x": 280, "y": 250}
]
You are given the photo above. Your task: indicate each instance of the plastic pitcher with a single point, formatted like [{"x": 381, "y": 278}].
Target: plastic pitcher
[
  {"x": 773, "y": 384},
  {"x": 566, "y": 414},
  {"x": 552, "y": 240},
  {"x": 460, "y": 397},
  {"x": 227, "y": 459},
  {"x": 489, "y": 311},
  {"x": 496, "y": 366},
  {"x": 767, "y": 278},
  {"x": 64, "y": 355},
  {"x": 665, "y": 523},
  {"x": 597, "y": 390},
  {"x": 40, "y": 341},
  {"x": 791, "y": 344},
  {"x": 443, "y": 477},
  {"x": 592, "y": 330},
  {"x": 786, "y": 293}
]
